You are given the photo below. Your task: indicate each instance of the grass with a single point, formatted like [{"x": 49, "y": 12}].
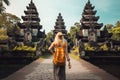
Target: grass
[
  {"x": 74, "y": 54},
  {"x": 76, "y": 57}
]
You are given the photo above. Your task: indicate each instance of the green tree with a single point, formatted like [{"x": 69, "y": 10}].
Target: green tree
[
  {"x": 2, "y": 8},
  {"x": 7, "y": 18},
  {"x": 73, "y": 31},
  {"x": 116, "y": 31},
  {"x": 117, "y": 24},
  {"x": 49, "y": 37},
  {"x": 47, "y": 41},
  {"x": 8, "y": 21},
  {"x": 109, "y": 27}
]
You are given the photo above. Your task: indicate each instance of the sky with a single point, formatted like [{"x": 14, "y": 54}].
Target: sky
[{"x": 71, "y": 10}]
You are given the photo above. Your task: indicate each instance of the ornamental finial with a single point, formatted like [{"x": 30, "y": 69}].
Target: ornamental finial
[
  {"x": 59, "y": 14},
  {"x": 31, "y": 1},
  {"x": 88, "y": 1}
]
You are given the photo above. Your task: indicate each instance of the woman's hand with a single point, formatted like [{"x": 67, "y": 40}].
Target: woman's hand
[
  {"x": 69, "y": 65},
  {"x": 50, "y": 48}
]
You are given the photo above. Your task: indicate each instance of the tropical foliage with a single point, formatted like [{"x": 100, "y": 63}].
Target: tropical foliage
[
  {"x": 3, "y": 34},
  {"x": 9, "y": 21},
  {"x": 116, "y": 31},
  {"x": 72, "y": 34},
  {"x": 49, "y": 38},
  {"x": 103, "y": 47},
  {"x": 25, "y": 48},
  {"x": 109, "y": 27},
  {"x": 89, "y": 48}
]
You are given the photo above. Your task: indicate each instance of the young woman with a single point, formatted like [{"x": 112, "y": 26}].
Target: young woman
[{"x": 60, "y": 46}]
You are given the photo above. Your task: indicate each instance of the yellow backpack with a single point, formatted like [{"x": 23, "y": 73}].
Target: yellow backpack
[{"x": 59, "y": 55}]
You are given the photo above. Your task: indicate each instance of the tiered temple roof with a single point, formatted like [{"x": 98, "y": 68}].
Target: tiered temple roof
[
  {"x": 31, "y": 24},
  {"x": 60, "y": 25},
  {"x": 88, "y": 17},
  {"x": 90, "y": 28},
  {"x": 31, "y": 17}
]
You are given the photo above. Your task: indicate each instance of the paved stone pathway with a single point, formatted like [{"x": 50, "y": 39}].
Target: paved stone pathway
[
  {"x": 80, "y": 72},
  {"x": 43, "y": 70}
]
